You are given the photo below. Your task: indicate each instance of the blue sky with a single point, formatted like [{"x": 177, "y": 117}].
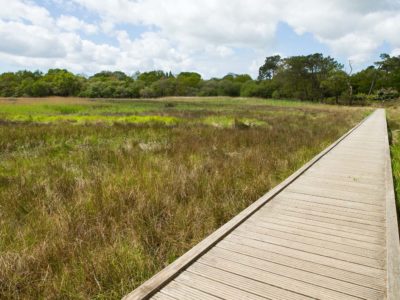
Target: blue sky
[{"x": 212, "y": 37}]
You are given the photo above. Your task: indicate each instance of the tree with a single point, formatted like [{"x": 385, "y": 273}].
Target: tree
[
  {"x": 150, "y": 77},
  {"x": 335, "y": 84},
  {"x": 390, "y": 66},
  {"x": 300, "y": 77},
  {"x": 270, "y": 67},
  {"x": 187, "y": 83}
]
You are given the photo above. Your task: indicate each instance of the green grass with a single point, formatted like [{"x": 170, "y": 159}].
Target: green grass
[
  {"x": 393, "y": 114},
  {"x": 97, "y": 196}
]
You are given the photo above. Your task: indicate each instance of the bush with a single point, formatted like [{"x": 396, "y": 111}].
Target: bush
[{"x": 387, "y": 94}]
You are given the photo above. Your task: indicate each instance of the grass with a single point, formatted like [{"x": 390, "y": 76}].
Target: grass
[
  {"x": 97, "y": 196},
  {"x": 393, "y": 115}
]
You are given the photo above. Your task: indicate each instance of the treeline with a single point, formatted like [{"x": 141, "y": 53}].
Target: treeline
[{"x": 312, "y": 77}]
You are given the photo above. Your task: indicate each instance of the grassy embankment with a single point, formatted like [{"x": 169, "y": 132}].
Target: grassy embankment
[{"x": 97, "y": 196}]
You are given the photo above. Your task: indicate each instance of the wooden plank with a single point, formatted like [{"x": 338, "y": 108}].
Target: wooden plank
[
  {"x": 305, "y": 265},
  {"x": 324, "y": 243},
  {"x": 314, "y": 282},
  {"x": 180, "y": 291},
  {"x": 376, "y": 225},
  {"x": 320, "y": 222},
  {"x": 362, "y": 177},
  {"x": 316, "y": 235},
  {"x": 343, "y": 186},
  {"x": 378, "y": 240},
  {"x": 353, "y": 166},
  {"x": 336, "y": 194},
  {"x": 334, "y": 209},
  {"x": 373, "y": 186},
  {"x": 246, "y": 284},
  {"x": 162, "y": 296},
  {"x": 319, "y": 250},
  {"x": 349, "y": 158},
  {"x": 365, "y": 208},
  {"x": 215, "y": 287},
  {"x": 298, "y": 206},
  {"x": 307, "y": 256},
  {"x": 350, "y": 226},
  {"x": 274, "y": 279},
  {"x": 154, "y": 284}
]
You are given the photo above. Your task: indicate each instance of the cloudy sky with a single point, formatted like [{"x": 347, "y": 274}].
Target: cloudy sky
[{"x": 212, "y": 37}]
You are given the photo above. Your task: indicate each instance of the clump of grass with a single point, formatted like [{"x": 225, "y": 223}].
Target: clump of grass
[
  {"x": 84, "y": 119},
  {"x": 229, "y": 122},
  {"x": 91, "y": 210}
]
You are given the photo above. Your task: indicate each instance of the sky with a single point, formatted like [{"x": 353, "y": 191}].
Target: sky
[{"x": 211, "y": 37}]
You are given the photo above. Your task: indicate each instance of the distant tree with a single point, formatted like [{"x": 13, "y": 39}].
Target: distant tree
[
  {"x": 62, "y": 82},
  {"x": 187, "y": 84},
  {"x": 390, "y": 67},
  {"x": 270, "y": 67},
  {"x": 8, "y": 84},
  {"x": 335, "y": 84},
  {"x": 240, "y": 78},
  {"x": 209, "y": 88},
  {"x": 164, "y": 87},
  {"x": 229, "y": 88},
  {"x": 149, "y": 77},
  {"x": 301, "y": 76}
]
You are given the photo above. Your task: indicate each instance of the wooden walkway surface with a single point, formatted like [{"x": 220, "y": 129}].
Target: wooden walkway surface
[{"x": 327, "y": 232}]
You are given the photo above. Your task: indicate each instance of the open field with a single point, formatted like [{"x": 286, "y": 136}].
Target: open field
[{"x": 96, "y": 196}]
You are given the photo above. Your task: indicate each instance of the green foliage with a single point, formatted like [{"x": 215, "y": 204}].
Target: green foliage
[
  {"x": 270, "y": 67},
  {"x": 387, "y": 94},
  {"x": 335, "y": 84},
  {"x": 305, "y": 77},
  {"x": 393, "y": 114}
]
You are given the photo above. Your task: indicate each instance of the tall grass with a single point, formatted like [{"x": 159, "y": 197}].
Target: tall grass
[
  {"x": 393, "y": 114},
  {"x": 93, "y": 210}
]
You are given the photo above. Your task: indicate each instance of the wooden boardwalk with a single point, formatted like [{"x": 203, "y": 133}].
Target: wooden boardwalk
[{"x": 327, "y": 232}]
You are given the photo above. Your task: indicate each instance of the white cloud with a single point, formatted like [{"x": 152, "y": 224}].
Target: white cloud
[
  {"x": 351, "y": 28},
  {"x": 71, "y": 23},
  {"x": 29, "y": 40},
  {"x": 18, "y": 10},
  {"x": 209, "y": 36}
]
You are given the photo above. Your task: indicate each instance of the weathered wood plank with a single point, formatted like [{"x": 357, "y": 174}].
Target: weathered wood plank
[
  {"x": 327, "y": 232},
  {"x": 305, "y": 265},
  {"x": 301, "y": 219},
  {"x": 307, "y": 256},
  {"x": 180, "y": 291},
  {"x": 331, "y": 215},
  {"x": 212, "y": 286},
  {"x": 328, "y": 208},
  {"x": 308, "y": 281},
  {"x": 307, "y": 248},
  {"x": 362, "y": 207},
  {"x": 257, "y": 287},
  {"x": 317, "y": 235},
  {"x": 365, "y": 229}
]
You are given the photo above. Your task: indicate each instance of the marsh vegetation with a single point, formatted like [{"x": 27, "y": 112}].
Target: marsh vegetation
[{"x": 97, "y": 196}]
